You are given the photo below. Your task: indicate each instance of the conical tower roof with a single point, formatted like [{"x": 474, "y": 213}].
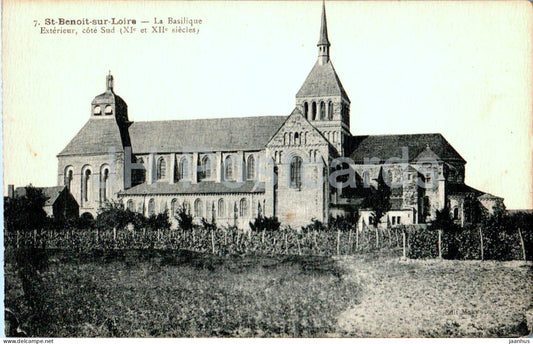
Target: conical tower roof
[{"x": 322, "y": 81}]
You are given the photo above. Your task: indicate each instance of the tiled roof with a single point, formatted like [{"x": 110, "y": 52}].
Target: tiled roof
[
  {"x": 384, "y": 147},
  {"x": 322, "y": 81},
  {"x": 98, "y": 136},
  {"x": 245, "y": 133},
  {"x": 489, "y": 196},
  {"x": 454, "y": 189},
  {"x": 50, "y": 192},
  {"x": 186, "y": 188},
  {"x": 427, "y": 155}
]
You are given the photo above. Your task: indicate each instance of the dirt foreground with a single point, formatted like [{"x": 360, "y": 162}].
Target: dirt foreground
[{"x": 439, "y": 298}]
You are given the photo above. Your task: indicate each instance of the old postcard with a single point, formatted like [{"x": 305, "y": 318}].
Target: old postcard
[{"x": 267, "y": 169}]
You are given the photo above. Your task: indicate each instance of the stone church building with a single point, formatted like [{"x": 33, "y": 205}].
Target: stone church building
[{"x": 298, "y": 167}]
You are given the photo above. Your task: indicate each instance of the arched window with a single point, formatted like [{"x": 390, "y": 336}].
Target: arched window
[
  {"x": 86, "y": 185},
  {"x": 198, "y": 208},
  {"x": 161, "y": 168},
  {"x": 221, "y": 208},
  {"x": 330, "y": 110},
  {"x": 455, "y": 213},
  {"x": 228, "y": 168},
  {"x": 205, "y": 168},
  {"x": 173, "y": 207},
  {"x": 313, "y": 111},
  {"x": 250, "y": 168},
  {"x": 426, "y": 207},
  {"x": 183, "y": 169},
  {"x": 306, "y": 110},
  {"x": 296, "y": 138},
  {"x": 130, "y": 205},
  {"x": 322, "y": 110},
  {"x": 210, "y": 210},
  {"x": 104, "y": 185},
  {"x": 151, "y": 207},
  {"x": 69, "y": 174},
  {"x": 139, "y": 172},
  {"x": 243, "y": 208},
  {"x": 186, "y": 207},
  {"x": 296, "y": 172}
]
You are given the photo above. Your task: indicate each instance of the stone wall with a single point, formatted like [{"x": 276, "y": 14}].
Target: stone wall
[
  {"x": 96, "y": 164},
  {"x": 225, "y": 209}
]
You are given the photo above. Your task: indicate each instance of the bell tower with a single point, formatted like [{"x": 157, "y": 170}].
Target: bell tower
[
  {"x": 108, "y": 105},
  {"x": 322, "y": 99}
]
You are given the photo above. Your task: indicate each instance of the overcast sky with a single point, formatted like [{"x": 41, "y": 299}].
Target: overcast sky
[{"x": 460, "y": 69}]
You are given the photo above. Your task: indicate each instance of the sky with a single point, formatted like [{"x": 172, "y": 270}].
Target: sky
[{"x": 462, "y": 69}]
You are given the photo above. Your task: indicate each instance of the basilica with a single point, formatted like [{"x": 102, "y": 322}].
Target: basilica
[{"x": 298, "y": 167}]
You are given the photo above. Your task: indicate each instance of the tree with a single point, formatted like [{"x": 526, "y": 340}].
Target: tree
[
  {"x": 160, "y": 221},
  {"x": 209, "y": 225},
  {"x": 344, "y": 223},
  {"x": 184, "y": 219},
  {"x": 26, "y": 212},
  {"x": 113, "y": 215},
  {"x": 378, "y": 199},
  {"x": 262, "y": 223},
  {"x": 314, "y": 226},
  {"x": 443, "y": 220}
]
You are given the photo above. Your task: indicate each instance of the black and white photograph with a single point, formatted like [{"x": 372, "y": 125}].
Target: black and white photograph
[{"x": 267, "y": 169}]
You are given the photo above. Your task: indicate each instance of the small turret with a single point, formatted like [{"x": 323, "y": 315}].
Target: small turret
[{"x": 108, "y": 105}]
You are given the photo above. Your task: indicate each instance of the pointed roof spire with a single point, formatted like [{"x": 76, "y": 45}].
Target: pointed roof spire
[{"x": 323, "y": 40}]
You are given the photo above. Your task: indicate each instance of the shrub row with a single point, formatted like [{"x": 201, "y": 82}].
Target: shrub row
[
  {"x": 220, "y": 241},
  {"x": 507, "y": 238}
]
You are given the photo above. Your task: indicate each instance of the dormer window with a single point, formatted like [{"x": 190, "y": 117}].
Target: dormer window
[
  {"x": 108, "y": 110},
  {"x": 97, "y": 111}
]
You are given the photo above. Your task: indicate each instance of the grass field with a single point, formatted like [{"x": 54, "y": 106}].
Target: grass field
[{"x": 177, "y": 294}]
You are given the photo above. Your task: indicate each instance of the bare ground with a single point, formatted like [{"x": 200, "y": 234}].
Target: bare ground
[
  {"x": 438, "y": 298},
  {"x": 173, "y": 294}
]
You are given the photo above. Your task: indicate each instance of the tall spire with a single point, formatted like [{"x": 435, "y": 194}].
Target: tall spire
[{"x": 323, "y": 41}]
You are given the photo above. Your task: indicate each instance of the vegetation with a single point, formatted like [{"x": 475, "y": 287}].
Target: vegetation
[
  {"x": 185, "y": 219},
  {"x": 176, "y": 294},
  {"x": 264, "y": 223},
  {"x": 344, "y": 223},
  {"x": 154, "y": 293},
  {"x": 127, "y": 275},
  {"x": 498, "y": 237},
  {"x": 25, "y": 213},
  {"x": 378, "y": 199}
]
